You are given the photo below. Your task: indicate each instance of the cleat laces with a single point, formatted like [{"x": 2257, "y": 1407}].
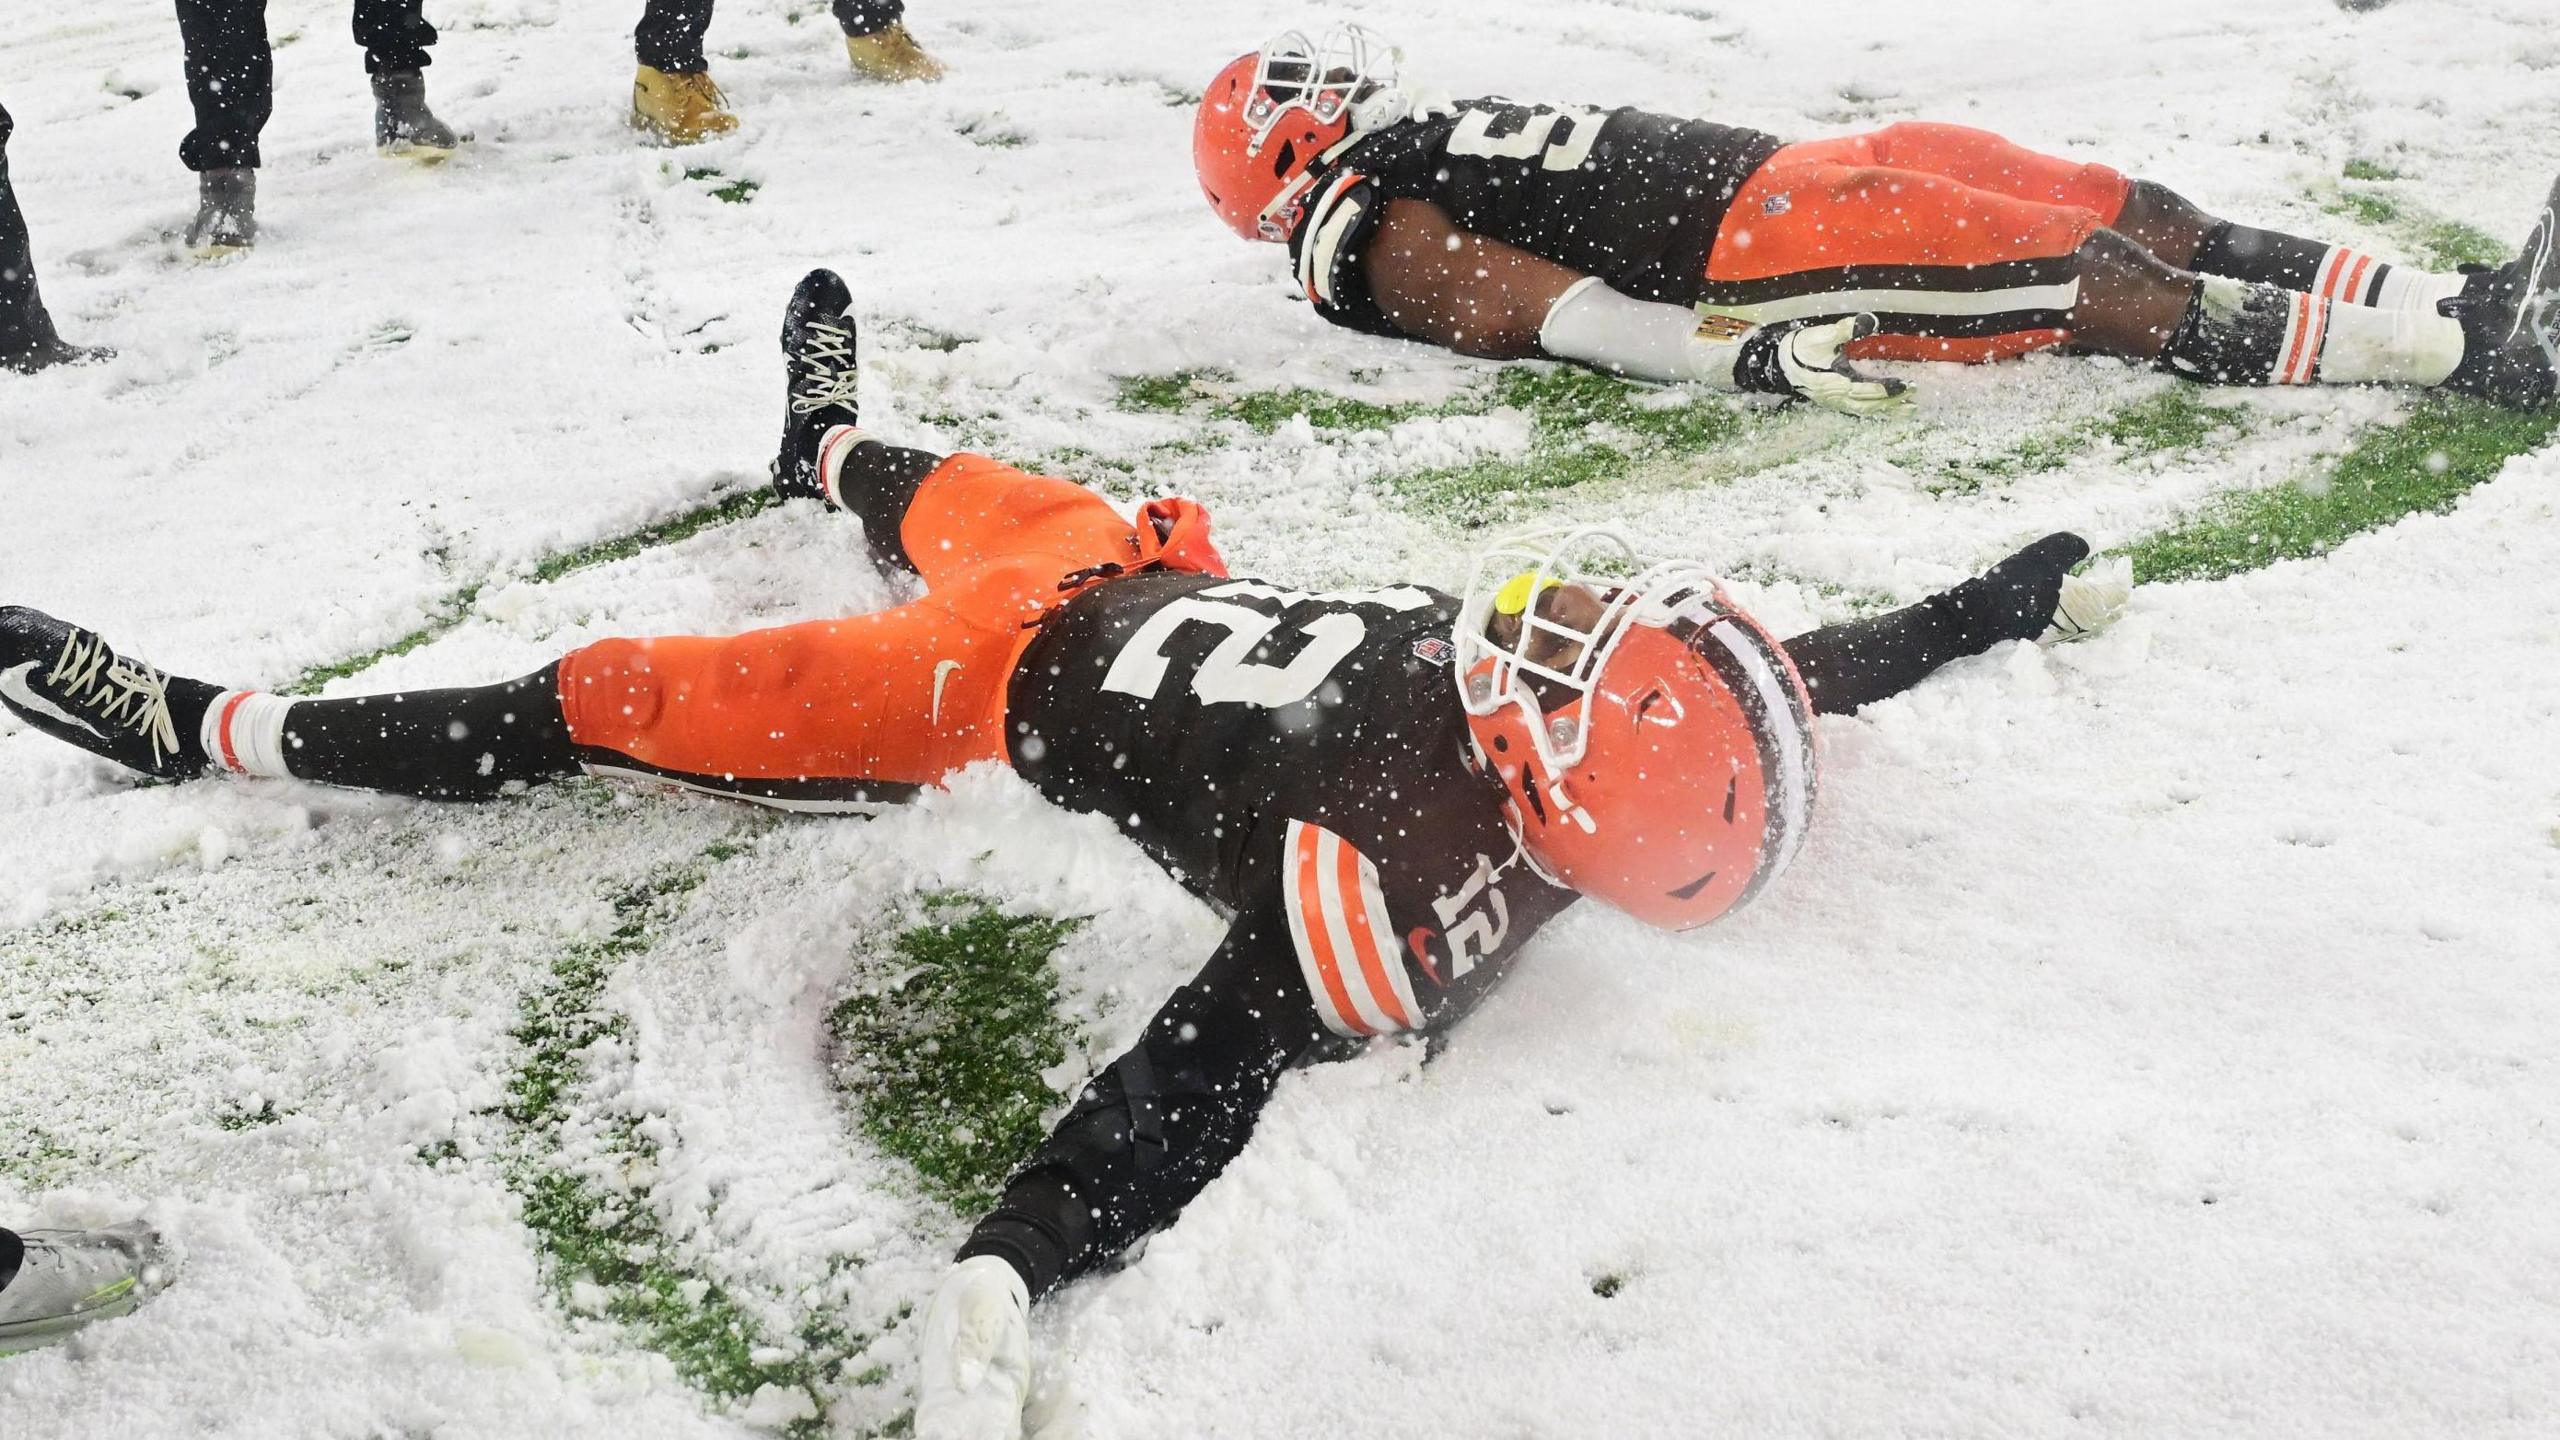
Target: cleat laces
[
  {"x": 117, "y": 691},
  {"x": 827, "y": 352}
]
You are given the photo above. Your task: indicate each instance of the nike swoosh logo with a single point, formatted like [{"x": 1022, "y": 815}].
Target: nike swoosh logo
[
  {"x": 942, "y": 673},
  {"x": 15, "y": 690},
  {"x": 2550, "y": 232}
]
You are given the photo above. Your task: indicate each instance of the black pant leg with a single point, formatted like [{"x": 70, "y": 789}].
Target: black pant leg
[
  {"x": 24, "y": 326},
  {"x": 395, "y": 35},
  {"x": 670, "y": 35},
  {"x": 467, "y": 744},
  {"x": 230, "y": 79},
  {"x": 869, "y": 17},
  {"x": 877, "y": 484}
]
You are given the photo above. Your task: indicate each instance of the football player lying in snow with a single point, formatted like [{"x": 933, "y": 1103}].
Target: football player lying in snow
[
  {"x": 1389, "y": 790},
  {"x": 1671, "y": 249}
]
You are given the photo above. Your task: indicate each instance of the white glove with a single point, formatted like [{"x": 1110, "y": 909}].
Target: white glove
[
  {"x": 2092, "y": 602},
  {"x": 976, "y": 1360},
  {"x": 1809, "y": 367}
]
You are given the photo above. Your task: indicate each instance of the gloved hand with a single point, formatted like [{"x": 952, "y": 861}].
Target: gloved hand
[
  {"x": 2092, "y": 601},
  {"x": 1802, "y": 358},
  {"x": 976, "y": 1354}
]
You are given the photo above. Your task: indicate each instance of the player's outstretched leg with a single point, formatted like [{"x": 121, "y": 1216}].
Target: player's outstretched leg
[
  {"x": 52, "y": 1282},
  {"x": 2494, "y": 342},
  {"x": 464, "y": 744},
  {"x": 2180, "y": 232},
  {"x": 2030, "y": 595}
]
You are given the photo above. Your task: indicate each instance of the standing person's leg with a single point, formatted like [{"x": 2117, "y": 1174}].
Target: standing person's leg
[
  {"x": 396, "y": 37},
  {"x": 877, "y": 41},
  {"x": 27, "y": 337},
  {"x": 672, "y": 98},
  {"x": 231, "y": 82}
]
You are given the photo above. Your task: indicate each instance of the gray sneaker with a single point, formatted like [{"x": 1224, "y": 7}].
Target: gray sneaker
[{"x": 70, "y": 1278}]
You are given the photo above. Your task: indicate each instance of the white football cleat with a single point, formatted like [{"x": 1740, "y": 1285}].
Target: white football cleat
[
  {"x": 69, "y": 1278},
  {"x": 976, "y": 1355},
  {"x": 2093, "y": 601}
]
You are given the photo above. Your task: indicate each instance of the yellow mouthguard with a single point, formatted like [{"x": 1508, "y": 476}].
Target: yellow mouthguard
[{"x": 1516, "y": 593}]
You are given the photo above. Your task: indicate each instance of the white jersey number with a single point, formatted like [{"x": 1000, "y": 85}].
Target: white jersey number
[
  {"x": 1475, "y": 930},
  {"x": 1229, "y": 675},
  {"x": 1474, "y": 136}
]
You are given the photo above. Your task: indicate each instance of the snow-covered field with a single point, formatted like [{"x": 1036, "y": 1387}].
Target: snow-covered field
[{"x": 2156, "y": 1039}]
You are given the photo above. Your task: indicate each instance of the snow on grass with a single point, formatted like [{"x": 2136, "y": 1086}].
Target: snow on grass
[{"x": 2149, "y": 1042}]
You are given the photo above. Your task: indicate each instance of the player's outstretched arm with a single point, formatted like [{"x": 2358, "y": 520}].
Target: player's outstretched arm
[
  {"x": 1480, "y": 296},
  {"x": 1142, "y": 1140},
  {"x": 2031, "y": 594}
]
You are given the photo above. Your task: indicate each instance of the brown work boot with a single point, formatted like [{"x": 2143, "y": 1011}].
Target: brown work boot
[
  {"x": 891, "y": 55},
  {"x": 678, "y": 109}
]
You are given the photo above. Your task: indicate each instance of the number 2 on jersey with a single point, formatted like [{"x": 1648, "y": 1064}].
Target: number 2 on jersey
[{"x": 1229, "y": 675}]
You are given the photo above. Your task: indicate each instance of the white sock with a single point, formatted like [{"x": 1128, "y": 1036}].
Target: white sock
[
  {"x": 244, "y": 733},
  {"x": 2356, "y": 278},
  {"x": 2359, "y": 345}
]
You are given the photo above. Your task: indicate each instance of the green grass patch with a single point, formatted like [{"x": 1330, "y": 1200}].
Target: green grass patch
[
  {"x": 2445, "y": 446},
  {"x": 1587, "y": 428},
  {"x": 2173, "y": 421},
  {"x": 443, "y": 616},
  {"x": 943, "y": 1058},
  {"x": 738, "y": 191},
  {"x": 455, "y": 608},
  {"x": 558, "y": 1024},
  {"x": 2431, "y": 240},
  {"x": 994, "y": 135},
  {"x": 729, "y": 511},
  {"x": 1264, "y": 411},
  {"x": 605, "y": 1252},
  {"x": 2363, "y": 169}
]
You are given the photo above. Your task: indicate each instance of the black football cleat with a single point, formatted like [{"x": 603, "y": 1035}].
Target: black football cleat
[
  {"x": 70, "y": 684},
  {"x": 2511, "y": 321},
  {"x": 819, "y": 371}
]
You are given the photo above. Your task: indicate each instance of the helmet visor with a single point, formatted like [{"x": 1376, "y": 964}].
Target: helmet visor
[
  {"x": 1544, "y": 612},
  {"x": 1323, "y": 77}
]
